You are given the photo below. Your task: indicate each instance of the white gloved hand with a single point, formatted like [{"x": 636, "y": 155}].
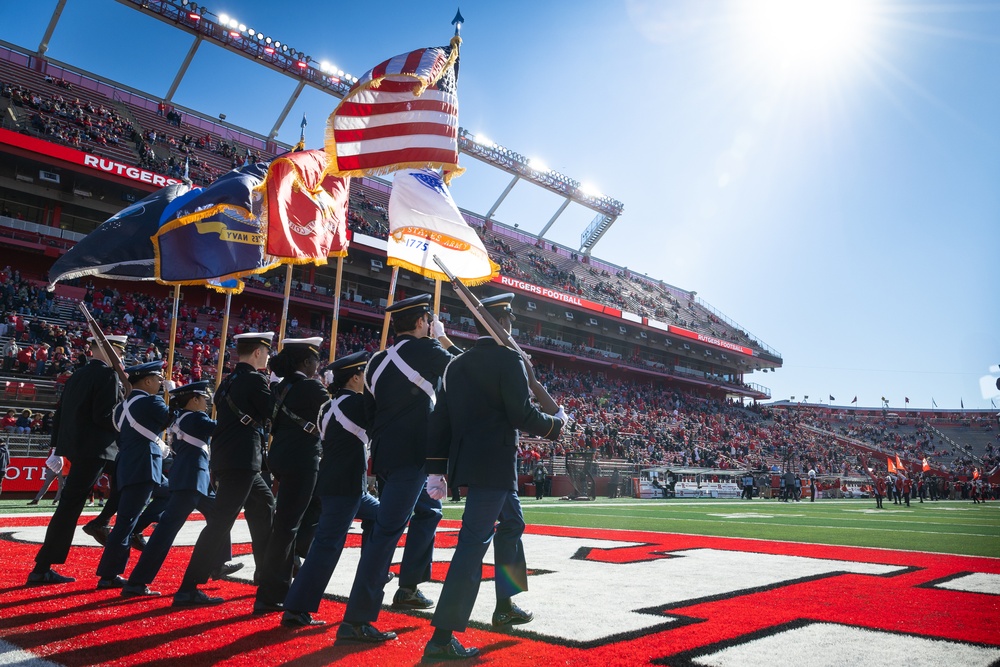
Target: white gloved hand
[
  {"x": 437, "y": 487},
  {"x": 169, "y": 386},
  {"x": 437, "y": 327},
  {"x": 561, "y": 415},
  {"x": 165, "y": 450}
]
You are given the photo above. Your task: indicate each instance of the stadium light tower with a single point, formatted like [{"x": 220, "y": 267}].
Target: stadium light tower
[{"x": 228, "y": 33}]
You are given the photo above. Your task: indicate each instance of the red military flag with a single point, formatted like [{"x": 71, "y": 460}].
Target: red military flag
[
  {"x": 304, "y": 208},
  {"x": 927, "y": 465},
  {"x": 403, "y": 113},
  {"x": 899, "y": 464},
  {"x": 890, "y": 465},
  {"x": 975, "y": 473},
  {"x": 855, "y": 400}
]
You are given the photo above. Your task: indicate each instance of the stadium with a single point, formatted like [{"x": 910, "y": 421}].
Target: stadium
[{"x": 673, "y": 426}]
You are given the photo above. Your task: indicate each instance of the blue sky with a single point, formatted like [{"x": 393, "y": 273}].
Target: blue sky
[{"x": 825, "y": 173}]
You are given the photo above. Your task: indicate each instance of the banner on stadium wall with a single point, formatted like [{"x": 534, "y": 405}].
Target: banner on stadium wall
[
  {"x": 568, "y": 299},
  {"x": 94, "y": 162},
  {"x": 709, "y": 340},
  {"x": 25, "y": 475}
]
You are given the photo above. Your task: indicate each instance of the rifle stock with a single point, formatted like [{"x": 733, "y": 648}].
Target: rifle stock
[
  {"x": 109, "y": 352},
  {"x": 501, "y": 336}
]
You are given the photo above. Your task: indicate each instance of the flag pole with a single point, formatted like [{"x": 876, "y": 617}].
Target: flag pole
[
  {"x": 222, "y": 341},
  {"x": 336, "y": 309},
  {"x": 437, "y": 297},
  {"x": 173, "y": 338},
  {"x": 284, "y": 308},
  {"x": 385, "y": 320}
]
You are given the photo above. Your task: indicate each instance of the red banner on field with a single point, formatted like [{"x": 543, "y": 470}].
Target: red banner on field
[
  {"x": 717, "y": 342},
  {"x": 25, "y": 474},
  {"x": 74, "y": 156}
]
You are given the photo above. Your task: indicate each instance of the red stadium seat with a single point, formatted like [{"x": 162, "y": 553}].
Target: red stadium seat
[
  {"x": 28, "y": 390},
  {"x": 13, "y": 388}
]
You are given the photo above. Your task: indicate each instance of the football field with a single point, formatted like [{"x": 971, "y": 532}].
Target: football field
[
  {"x": 948, "y": 526},
  {"x": 611, "y": 582}
]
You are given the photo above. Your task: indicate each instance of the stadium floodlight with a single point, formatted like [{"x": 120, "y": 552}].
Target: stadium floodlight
[
  {"x": 252, "y": 32},
  {"x": 223, "y": 19},
  {"x": 324, "y": 66},
  {"x": 277, "y": 45},
  {"x": 243, "y": 27},
  {"x": 483, "y": 140},
  {"x": 234, "y": 24},
  {"x": 340, "y": 72},
  {"x": 588, "y": 189}
]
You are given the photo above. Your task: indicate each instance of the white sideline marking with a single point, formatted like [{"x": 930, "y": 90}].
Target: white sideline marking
[
  {"x": 977, "y": 582},
  {"x": 15, "y": 655}
]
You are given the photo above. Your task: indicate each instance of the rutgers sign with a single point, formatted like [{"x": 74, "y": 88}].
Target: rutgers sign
[{"x": 73, "y": 156}]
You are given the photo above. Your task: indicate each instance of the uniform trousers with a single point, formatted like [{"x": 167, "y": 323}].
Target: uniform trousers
[
  {"x": 50, "y": 477},
  {"x": 179, "y": 507},
  {"x": 131, "y": 502},
  {"x": 83, "y": 474},
  {"x": 295, "y": 494},
  {"x": 400, "y": 492},
  {"x": 484, "y": 507},
  {"x": 335, "y": 521},
  {"x": 418, "y": 552},
  {"x": 238, "y": 490},
  {"x": 157, "y": 503}
]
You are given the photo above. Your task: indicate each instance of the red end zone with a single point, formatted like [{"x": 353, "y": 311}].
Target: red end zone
[{"x": 599, "y": 598}]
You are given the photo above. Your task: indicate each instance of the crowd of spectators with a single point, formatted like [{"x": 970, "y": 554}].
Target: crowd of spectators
[{"x": 82, "y": 125}]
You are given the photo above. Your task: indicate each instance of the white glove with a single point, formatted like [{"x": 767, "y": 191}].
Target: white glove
[
  {"x": 561, "y": 415},
  {"x": 165, "y": 450},
  {"x": 437, "y": 487},
  {"x": 169, "y": 386},
  {"x": 437, "y": 328}
]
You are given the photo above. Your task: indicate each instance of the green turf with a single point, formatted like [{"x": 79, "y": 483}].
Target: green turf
[{"x": 955, "y": 527}]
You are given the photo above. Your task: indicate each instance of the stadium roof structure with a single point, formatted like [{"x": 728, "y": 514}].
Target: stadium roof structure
[{"x": 236, "y": 37}]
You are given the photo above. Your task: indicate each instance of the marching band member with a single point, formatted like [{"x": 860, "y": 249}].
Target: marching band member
[
  {"x": 293, "y": 460},
  {"x": 83, "y": 431},
  {"x": 400, "y": 392},
  {"x": 341, "y": 486},
  {"x": 473, "y": 438},
  {"x": 189, "y": 483},
  {"x": 243, "y": 406},
  {"x": 140, "y": 420}
]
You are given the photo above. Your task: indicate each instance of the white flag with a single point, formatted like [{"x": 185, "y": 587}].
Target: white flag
[{"x": 424, "y": 222}]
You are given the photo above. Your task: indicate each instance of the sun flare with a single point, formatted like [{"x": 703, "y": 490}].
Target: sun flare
[{"x": 808, "y": 35}]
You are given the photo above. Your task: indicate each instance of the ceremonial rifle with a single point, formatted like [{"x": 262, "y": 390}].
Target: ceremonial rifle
[
  {"x": 501, "y": 336},
  {"x": 105, "y": 346}
]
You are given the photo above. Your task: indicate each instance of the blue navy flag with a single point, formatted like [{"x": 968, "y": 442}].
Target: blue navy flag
[
  {"x": 215, "y": 234},
  {"x": 120, "y": 248}
]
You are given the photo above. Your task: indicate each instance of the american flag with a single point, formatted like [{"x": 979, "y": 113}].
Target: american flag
[{"x": 403, "y": 113}]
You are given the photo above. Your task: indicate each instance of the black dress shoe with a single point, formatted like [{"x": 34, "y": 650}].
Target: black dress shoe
[
  {"x": 362, "y": 632},
  {"x": 450, "y": 651},
  {"x": 138, "y": 591},
  {"x": 267, "y": 607},
  {"x": 194, "y": 599},
  {"x": 50, "y": 576},
  {"x": 407, "y": 599},
  {"x": 516, "y": 616},
  {"x": 225, "y": 570},
  {"x": 99, "y": 533},
  {"x": 299, "y": 619},
  {"x": 32, "y": 502},
  {"x": 137, "y": 541},
  {"x": 117, "y": 581}
]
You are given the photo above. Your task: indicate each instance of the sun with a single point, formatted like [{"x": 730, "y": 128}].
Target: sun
[{"x": 807, "y": 36}]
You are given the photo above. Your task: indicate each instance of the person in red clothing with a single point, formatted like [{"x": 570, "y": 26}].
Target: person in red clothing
[
  {"x": 907, "y": 488},
  {"x": 879, "y": 492}
]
